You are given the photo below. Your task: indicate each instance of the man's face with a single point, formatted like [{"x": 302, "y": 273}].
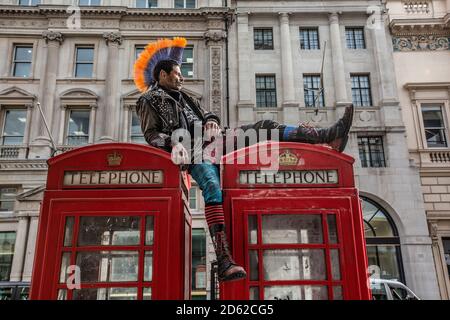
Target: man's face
[{"x": 173, "y": 80}]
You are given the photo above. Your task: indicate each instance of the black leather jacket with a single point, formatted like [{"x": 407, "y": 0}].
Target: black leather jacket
[{"x": 159, "y": 114}]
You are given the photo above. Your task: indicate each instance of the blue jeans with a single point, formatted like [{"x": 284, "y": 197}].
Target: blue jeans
[{"x": 208, "y": 179}]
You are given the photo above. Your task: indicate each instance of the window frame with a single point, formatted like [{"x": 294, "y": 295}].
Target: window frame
[
  {"x": 263, "y": 46},
  {"x": 369, "y": 153},
  {"x": 13, "y": 249},
  {"x": 353, "y": 41},
  {"x": 359, "y": 75},
  {"x": 309, "y": 29},
  {"x": 13, "y": 200},
  {"x": 189, "y": 63},
  {"x": 68, "y": 111},
  {"x": 265, "y": 90},
  {"x": 321, "y": 100},
  {"x": 13, "y": 59},
  {"x": 30, "y": 3},
  {"x": 130, "y": 125},
  {"x": 84, "y": 46},
  {"x": 3, "y": 112},
  {"x": 445, "y": 115},
  {"x": 90, "y": 3},
  {"x": 146, "y": 4},
  {"x": 184, "y": 4}
]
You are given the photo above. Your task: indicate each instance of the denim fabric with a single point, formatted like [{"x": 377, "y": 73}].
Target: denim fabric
[
  {"x": 286, "y": 132},
  {"x": 208, "y": 179}
]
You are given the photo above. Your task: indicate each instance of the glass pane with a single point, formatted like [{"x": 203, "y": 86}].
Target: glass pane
[
  {"x": 378, "y": 291},
  {"x": 135, "y": 124},
  {"x": 337, "y": 293},
  {"x": 252, "y": 229},
  {"x": 304, "y": 264},
  {"x": 85, "y": 54},
  {"x": 6, "y": 293},
  {"x": 292, "y": 229},
  {"x": 254, "y": 293},
  {"x": 116, "y": 266},
  {"x": 149, "y": 231},
  {"x": 141, "y": 3},
  {"x": 24, "y": 54},
  {"x": 335, "y": 264},
  {"x": 385, "y": 257},
  {"x": 62, "y": 294},
  {"x": 332, "y": 229},
  {"x": 7, "y": 242},
  {"x": 187, "y": 70},
  {"x": 79, "y": 123},
  {"x": 23, "y": 293},
  {"x": 104, "y": 231},
  {"x": 188, "y": 54},
  {"x": 254, "y": 266},
  {"x": 190, "y": 4},
  {"x": 15, "y": 121},
  {"x": 378, "y": 223},
  {"x": 147, "y": 294},
  {"x": 68, "y": 233},
  {"x": 198, "y": 259},
  {"x": 148, "y": 266},
  {"x": 65, "y": 262},
  {"x": 295, "y": 293},
  {"x": 105, "y": 294},
  {"x": 84, "y": 70},
  {"x": 22, "y": 69}
]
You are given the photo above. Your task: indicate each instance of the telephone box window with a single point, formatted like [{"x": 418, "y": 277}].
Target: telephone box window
[
  {"x": 332, "y": 229},
  {"x": 296, "y": 293},
  {"x": 292, "y": 229},
  {"x": 337, "y": 293},
  {"x": 68, "y": 233},
  {"x": 335, "y": 264},
  {"x": 254, "y": 266},
  {"x": 252, "y": 229},
  {"x": 119, "y": 231},
  {"x": 65, "y": 262},
  {"x": 105, "y": 294},
  {"x": 147, "y": 294},
  {"x": 148, "y": 266},
  {"x": 149, "y": 233},
  {"x": 254, "y": 293}
]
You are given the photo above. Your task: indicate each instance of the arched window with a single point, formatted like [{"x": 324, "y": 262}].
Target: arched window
[{"x": 382, "y": 240}]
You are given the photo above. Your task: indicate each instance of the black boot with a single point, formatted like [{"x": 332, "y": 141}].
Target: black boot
[
  {"x": 335, "y": 136},
  {"x": 228, "y": 270}
]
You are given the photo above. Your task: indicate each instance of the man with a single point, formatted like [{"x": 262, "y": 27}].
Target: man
[{"x": 164, "y": 108}]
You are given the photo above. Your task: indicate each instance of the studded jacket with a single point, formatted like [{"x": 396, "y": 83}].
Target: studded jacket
[{"x": 159, "y": 115}]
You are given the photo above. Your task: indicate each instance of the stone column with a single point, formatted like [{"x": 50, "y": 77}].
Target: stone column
[
  {"x": 30, "y": 250},
  {"x": 441, "y": 271},
  {"x": 127, "y": 112},
  {"x": 41, "y": 144},
  {"x": 245, "y": 72},
  {"x": 338, "y": 61},
  {"x": 19, "y": 249},
  {"x": 92, "y": 120},
  {"x": 111, "y": 108},
  {"x": 384, "y": 60},
  {"x": 290, "y": 106}
]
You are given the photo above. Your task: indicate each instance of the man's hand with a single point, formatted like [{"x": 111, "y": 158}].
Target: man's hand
[
  {"x": 179, "y": 154},
  {"x": 212, "y": 129}
]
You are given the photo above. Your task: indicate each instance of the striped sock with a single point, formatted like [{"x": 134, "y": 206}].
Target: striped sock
[{"x": 214, "y": 214}]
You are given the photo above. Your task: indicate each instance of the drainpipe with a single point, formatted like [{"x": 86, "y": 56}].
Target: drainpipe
[{"x": 227, "y": 69}]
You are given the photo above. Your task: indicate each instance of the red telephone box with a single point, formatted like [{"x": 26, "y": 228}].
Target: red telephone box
[
  {"x": 295, "y": 223},
  {"x": 114, "y": 224}
]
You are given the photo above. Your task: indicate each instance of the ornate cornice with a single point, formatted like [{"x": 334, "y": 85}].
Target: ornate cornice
[
  {"x": 53, "y": 36},
  {"x": 214, "y": 36},
  {"x": 410, "y": 27}
]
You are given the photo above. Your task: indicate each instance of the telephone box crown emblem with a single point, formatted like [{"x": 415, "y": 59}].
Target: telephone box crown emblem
[
  {"x": 288, "y": 158},
  {"x": 114, "y": 159}
]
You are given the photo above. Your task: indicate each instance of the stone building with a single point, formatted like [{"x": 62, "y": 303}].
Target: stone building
[
  {"x": 246, "y": 60},
  {"x": 421, "y": 35},
  {"x": 276, "y": 49}
]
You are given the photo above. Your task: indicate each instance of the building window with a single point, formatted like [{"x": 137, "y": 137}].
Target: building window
[
  {"x": 361, "y": 96},
  {"x": 29, "y": 2},
  {"x": 383, "y": 242},
  {"x": 136, "y": 132},
  {"x": 266, "y": 93},
  {"x": 371, "y": 152},
  {"x": 14, "y": 126},
  {"x": 7, "y": 198},
  {"x": 434, "y": 126},
  {"x": 23, "y": 55},
  {"x": 198, "y": 264},
  {"x": 309, "y": 39},
  {"x": 187, "y": 65},
  {"x": 89, "y": 2},
  {"x": 184, "y": 4},
  {"x": 193, "y": 198},
  {"x": 146, "y": 3},
  {"x": 355, "y": 38},
  {"x": 78, "y": 127},
  {"x": 313, "y": 96},
  {"x": 263, "y": 39},
  {"x": 137, "y": 51},
  {"x": 7, "y": 240},
  {"x": 84, "y": 62},
  {"x": 446, "y": 244}
]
